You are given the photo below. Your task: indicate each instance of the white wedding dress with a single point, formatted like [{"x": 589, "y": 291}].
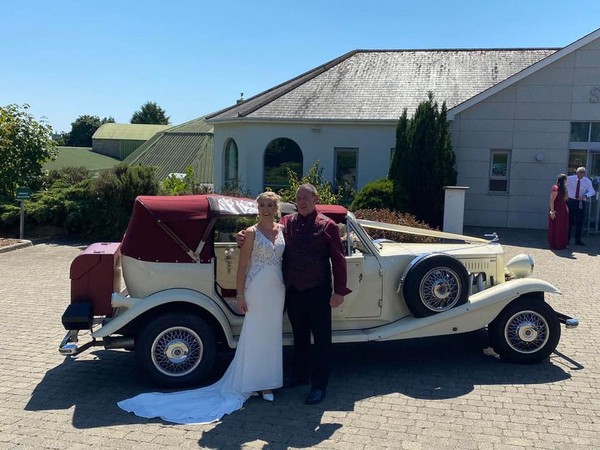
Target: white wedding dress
[{"x": 257, "y": 364}]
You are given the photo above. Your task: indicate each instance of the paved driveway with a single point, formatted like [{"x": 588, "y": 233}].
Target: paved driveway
[{"x": 434, "y": 393}]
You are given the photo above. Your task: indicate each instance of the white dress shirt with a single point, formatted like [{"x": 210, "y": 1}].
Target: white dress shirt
[{"x": 585, "y": 187}]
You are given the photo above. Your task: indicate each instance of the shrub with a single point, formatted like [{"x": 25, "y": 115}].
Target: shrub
[
  {"x": 374, "y": 195},
  {"x": 314, "y": 177},
  {"x": 9, "y": 214},
  {"x": 388, "y": 216},
  {"x": 236, "y": 190},
  {"x": 96, "y": 207},
  {"x": 345, "y": 192},
  {"x": 66, "y": 175},
  {"x": 186, "y": 185},
  {"x": 59, "y": 206},
  {"x": 112, "y": 198}
]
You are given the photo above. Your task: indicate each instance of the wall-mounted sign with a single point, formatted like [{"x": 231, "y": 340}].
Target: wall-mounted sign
[{"x": 595, "y": 95}]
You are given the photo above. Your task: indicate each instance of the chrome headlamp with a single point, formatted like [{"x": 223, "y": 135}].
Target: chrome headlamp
[{"x": 521, "y": 266}]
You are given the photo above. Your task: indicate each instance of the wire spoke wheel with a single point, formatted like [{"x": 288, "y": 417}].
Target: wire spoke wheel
[
  {"x": 435, "y": 283},
  {"x": 440, "y": 289},
  {"x": 526, "y": 331},
  {"x": 177, "y": 351}
]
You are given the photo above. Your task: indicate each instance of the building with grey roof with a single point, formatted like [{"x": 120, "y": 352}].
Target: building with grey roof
[{"x": 513, "y": 114}]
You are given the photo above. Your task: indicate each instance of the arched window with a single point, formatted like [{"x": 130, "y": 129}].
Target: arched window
[
  {"x": 281, "y": 154},
  {"x": 230, "y": 164}
]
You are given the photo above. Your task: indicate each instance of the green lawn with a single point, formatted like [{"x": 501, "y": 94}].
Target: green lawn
[{"x": 81, "y": 157}]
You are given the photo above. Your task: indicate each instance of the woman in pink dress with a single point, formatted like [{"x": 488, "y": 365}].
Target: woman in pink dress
[{"x": 558, "y": 221}]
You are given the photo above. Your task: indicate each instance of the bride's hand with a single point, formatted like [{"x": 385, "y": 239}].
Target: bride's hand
[{"x": 241, "y": 303}]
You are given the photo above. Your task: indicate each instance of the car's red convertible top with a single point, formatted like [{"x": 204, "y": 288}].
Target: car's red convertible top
[{"x": 170, "y": 228}]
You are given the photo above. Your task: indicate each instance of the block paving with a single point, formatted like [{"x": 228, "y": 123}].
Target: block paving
[{"x": 436, "y": 393}]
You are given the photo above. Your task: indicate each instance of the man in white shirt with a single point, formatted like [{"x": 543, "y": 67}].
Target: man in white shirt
[{"x": 580, "y": 190}]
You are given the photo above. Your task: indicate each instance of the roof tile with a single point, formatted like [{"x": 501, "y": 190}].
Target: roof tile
[{"x": 379, "y": 85}]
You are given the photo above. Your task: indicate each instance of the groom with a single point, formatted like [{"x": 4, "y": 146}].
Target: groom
[{"x": 313, "y": 250}]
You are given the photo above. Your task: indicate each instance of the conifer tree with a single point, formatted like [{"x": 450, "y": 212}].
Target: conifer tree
[{"x": 423, "y": 162}]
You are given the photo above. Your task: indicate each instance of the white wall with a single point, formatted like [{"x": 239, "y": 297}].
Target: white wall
[{"x": 317, "y": 142}]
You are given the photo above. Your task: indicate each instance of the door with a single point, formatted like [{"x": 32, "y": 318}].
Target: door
[
  {"x": 594, "y": 210},
  {"x": 364, "y": 278}
]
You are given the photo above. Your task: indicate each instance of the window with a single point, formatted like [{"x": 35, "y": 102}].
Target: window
[
  {"x": 230, "y": 164},
  {"x": 499, "y": 170},
  {"x": 580, "y": 131},
  {"x": 585, "y": 131},
  {"x": 346, "y": 166},
  {"x": 585, "y": 143},
  {"x": 280, "y": 155},
  {"x": 595, "y": 132},
  {"x": 577, "y": 158}
]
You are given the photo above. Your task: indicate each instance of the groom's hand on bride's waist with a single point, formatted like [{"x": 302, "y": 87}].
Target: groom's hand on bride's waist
[{"x": 240, "y": 237}]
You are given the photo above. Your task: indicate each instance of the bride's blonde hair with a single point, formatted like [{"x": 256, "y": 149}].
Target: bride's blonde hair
[{"x": 272, "y": 196}]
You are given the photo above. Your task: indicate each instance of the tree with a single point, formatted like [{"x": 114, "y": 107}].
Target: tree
[
  {"x": 150, "y": 113},
  {"x": 84, "y": 128},
  {"x": 25, "y": 145},
  {"x": 423, "y": 162},
  {"x": 61, "y": 138}
]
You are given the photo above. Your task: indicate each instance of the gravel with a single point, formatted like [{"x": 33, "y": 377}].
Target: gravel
[{"x": 6, "y": 242}]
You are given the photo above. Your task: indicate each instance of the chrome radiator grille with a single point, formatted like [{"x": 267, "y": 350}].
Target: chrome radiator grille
[{"x": 479, "y": 265}]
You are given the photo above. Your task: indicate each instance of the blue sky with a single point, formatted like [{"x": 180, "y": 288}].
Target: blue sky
[{"x": 75, "y": 57}]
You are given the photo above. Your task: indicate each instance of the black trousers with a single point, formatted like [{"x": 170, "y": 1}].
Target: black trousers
[
  {"x": 309, "y": 312},
  {"x": 576, "y": 215}
]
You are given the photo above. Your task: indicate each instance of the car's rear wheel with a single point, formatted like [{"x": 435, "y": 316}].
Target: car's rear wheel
[
  {"x": 435, "y": 284},
  {"x": 526, "y": 331},
  {"x": 176, "y": 350}
]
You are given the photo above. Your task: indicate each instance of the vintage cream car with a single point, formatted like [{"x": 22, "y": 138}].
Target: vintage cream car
[{"x": 177, "y": 305}]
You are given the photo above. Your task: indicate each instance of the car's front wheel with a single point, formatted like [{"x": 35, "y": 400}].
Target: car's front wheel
[
  {"x": 176, "y": 350},
  {"x": 526, "y": 331}
]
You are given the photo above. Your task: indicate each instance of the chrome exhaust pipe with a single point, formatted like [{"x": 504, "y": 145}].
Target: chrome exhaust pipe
[
  {"x": 568, "y": 322},
  {"x": 111, "y": 343},
  {"x": 571, "y": 323}
]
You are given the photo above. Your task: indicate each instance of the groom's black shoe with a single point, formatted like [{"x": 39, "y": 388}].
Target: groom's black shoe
[
  {"x": 315, "y": 396},
  {"x": 295, "y": 381}
]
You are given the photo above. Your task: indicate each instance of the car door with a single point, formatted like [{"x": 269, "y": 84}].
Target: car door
[{"x": 364, "y": 279}]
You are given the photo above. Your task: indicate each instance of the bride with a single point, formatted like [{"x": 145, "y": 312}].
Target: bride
[{"x": 257, "y": 365}]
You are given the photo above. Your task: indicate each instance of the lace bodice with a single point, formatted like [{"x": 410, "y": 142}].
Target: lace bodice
[{"x": 265, "y": 254}]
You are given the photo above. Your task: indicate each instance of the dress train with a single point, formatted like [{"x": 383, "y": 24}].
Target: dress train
[{"x": 257, "y": 364}]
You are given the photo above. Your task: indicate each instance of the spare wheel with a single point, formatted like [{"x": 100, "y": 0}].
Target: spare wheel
[{"x": 434, "y": 284}]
